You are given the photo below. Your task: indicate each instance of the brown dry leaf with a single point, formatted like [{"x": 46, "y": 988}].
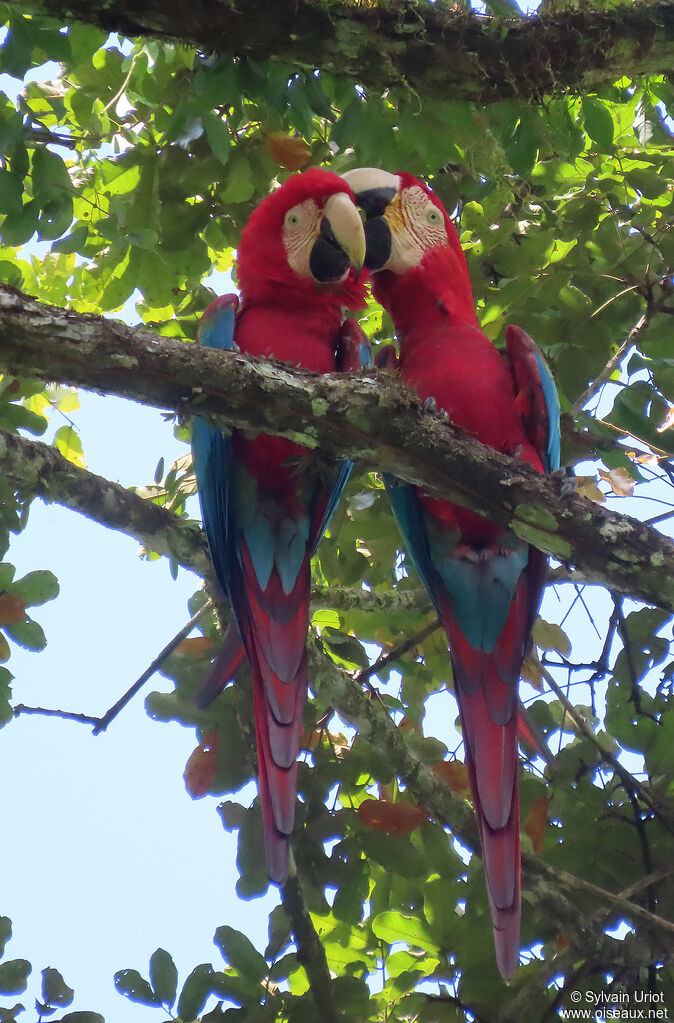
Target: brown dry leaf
[
  {"x": 532, "y": 672},
  {"x": 537, "y": 822},
  {"x": 311, "y": 738},
  {"x": 667, "y": 421},
  {"x": 194, "y": 645},
  {"x": 12, "y": 609},
  {"x": 202, "y": 766},
  {"x": 620, "y": 481},
  {"x": 391, "y": 818},
  {"x": 646, "y": 458},
  {"x": 454, "y": 773},
  {"x": 407, "y": 725},
  {"x": 291, "y": 152},
  {"x": 586, "y": 486}
]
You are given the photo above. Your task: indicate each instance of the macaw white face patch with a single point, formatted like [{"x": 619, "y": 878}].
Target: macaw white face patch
[
  {"x": 301, "y": 227},
  {"x": 417, "y": 226}
]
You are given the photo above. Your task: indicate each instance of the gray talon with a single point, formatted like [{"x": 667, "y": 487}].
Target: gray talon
[{"x": 567, "y": 475}]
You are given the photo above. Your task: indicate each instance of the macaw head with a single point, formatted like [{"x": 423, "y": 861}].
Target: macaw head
[
  {"x": 409, "y": 236},
  {"x": 305, "y": 239}
]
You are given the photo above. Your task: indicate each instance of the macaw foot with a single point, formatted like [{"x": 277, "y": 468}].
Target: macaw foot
[
  {"x": 431, "y": 405},
  {"x": 567, "y": 475}
]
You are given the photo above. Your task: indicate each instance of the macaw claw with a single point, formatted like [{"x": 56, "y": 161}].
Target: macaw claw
[
  {"x": 431, "y": 406},
  {"x": 569, "y": 480}
]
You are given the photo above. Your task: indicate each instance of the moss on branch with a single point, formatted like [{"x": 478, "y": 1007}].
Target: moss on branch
[{"x": 433, "y": 48}]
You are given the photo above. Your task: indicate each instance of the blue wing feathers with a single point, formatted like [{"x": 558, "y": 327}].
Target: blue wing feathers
[{"x": 552, "y": 404}]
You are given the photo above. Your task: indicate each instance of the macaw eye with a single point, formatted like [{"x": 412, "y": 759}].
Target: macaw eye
[
  {"x": 433, "y": 216},
  {"x": 292, "y": 218}
]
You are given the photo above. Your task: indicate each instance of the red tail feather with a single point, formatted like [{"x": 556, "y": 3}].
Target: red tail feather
[
  {"x": 275, "y": 626},
  {"x": 486, "y": 690}
]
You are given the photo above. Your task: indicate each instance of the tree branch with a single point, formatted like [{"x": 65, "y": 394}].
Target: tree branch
[
  {"x": 40, "y": 470},
  {"x": 310, "y": 951},
  {"x": 380, "y": 423},
  {"x": 430, "y": 47}
]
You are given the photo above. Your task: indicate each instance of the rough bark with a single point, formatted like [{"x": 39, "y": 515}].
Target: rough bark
[
  {"x": 380, "y": 424},
  {"x": 434, "y": 49},
  {"x": 39, "y": 470}
]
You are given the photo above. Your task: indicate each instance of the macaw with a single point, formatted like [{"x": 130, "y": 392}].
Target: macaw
[
  {"x": 265, "y": 503},
  {"x": 485, "y": 583}
]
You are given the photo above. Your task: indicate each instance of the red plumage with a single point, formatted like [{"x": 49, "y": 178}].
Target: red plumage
[
  {"x": 276, "y": 500},
  {"x": 445, "y": 356}
]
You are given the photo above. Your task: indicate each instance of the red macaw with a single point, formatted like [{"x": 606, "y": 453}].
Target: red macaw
[
  {"x": 485, "y": 582},
  {"x": 265, "y": 503}
]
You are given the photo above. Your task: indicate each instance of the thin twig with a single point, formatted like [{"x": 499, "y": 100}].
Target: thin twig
[
  {"x": 612, "y": 364},
  {"x": 101, "y": 723},
  {"x": 657, "y": 875},
  {"x": 112, "y": 713},
  {"x": 631, "y": 783},
  {"x": 50, "y": 712},
  {"x": 397, "y": 652}
]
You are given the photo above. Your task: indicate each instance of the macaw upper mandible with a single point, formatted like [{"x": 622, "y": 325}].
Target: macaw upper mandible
[
  {"x": 485, "y": 582},
  {"x": 265, "y": 503}
]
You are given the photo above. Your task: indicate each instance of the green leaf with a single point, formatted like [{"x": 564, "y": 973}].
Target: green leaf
[
  {"x": 18, "y": 417},
  {"x": 73, "y": 242},
  {"x": 219, "y": 138},
  {"x": 9, "y": 1015},
  {"x": 598, "y": 122},
  {"x": 392, "y": 926},
  {"x": 6, "y": 576},
  {"x": 195, "y": 992},
  {"x": 136, "y": 988},
  {"x": 394, "y": 853},
  {"x": 11, "y": 192},
  {"x": 5, "y": 932},
  {"x": 16, "y": 53},
  {"x": 69, "y": 444},
  {"x": 28, "y": 635},
  {"x": 522, "y": 147},
  {"x": 21, "y": 225},
  {"x": 55, "y": 991},
  {"x": 240, "y": 953},
  {"x": 50, "y": 176},
  {"x": 55, "y": 218},
  {"x": 82, "y": 1017},
  {"x": 36, "y": 588},
  {"x": 14, "y": 976},
  {"x": 163, "y": 977}
]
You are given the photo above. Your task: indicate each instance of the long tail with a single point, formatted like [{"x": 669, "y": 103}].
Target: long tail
[
  {"x": 489, "y": 716},
  {"x": 275, "y": 629}
]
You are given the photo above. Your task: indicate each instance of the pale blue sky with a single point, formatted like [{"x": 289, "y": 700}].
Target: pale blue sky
[{"x": 107, "y": 854}]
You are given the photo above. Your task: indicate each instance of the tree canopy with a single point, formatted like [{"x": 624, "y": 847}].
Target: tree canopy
[{"x": 128, "y": 168}]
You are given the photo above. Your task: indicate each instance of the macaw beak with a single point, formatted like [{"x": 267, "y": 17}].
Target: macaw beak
[
  {"x": 375, "y": 189},
  {"x": 341, "y": 241}
]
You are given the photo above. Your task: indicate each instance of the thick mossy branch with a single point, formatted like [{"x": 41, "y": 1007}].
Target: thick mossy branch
[
  {"x": 39, "y": 470},
  {"x": 381, "y": 425},
  {"x": 430, "y": 47},
  {"x": 552, "y": 891}
]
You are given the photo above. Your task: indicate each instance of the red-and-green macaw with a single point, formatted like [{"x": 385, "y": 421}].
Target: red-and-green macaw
[
  {"x": 485, "y": 582},
  {"x": 265, "y": 503}
]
